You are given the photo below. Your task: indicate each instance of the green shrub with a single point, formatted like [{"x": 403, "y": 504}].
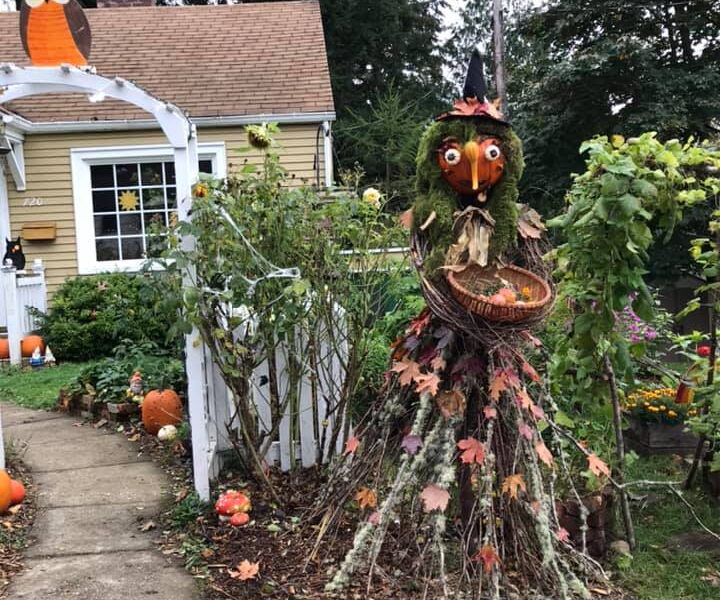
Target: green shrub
[
  {"x": 89, "y": 316},
  {"x": 110, "y": 376}
]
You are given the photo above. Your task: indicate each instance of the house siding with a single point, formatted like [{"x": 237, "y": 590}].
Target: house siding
[{"x": 49, "y": 178}]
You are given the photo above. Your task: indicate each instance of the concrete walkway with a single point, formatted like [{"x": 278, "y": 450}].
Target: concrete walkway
[{"x": 94, "y": 493}]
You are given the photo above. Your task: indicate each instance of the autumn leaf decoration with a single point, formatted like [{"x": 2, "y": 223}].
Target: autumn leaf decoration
[
  {"x": 489, "y": 557},
  {"x": 434, "y": 498},
  {"x": 597, "y": 466},
  {"x": 351, "y": 445},
  {"x": 366, "y": 498},
  {"x": 473, "y": 451},
  {"x": 512, "y": 484}
]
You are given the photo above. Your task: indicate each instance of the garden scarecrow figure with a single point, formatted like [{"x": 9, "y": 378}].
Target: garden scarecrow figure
[{"x": 454, "y": 441}]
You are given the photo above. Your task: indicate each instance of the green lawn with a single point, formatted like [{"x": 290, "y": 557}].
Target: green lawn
[
  {"x": 658, "y": 572},
  {"x": 37, "y": 388}
]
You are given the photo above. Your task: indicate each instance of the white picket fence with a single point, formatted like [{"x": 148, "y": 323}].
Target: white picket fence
[
  {"x": 20, "y": 290},
  {"x": 311, "y": 415}
]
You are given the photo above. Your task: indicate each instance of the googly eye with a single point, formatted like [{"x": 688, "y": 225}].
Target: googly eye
[
  {"x": 492, "y": 152},
  {"x": 452, "y": 156},
  {"x": 34, "y": 3},
  {"x": 62, "y": 1}
]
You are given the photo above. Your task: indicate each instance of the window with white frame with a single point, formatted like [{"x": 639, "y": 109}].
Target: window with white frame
[{"x": 123, "y": 196}]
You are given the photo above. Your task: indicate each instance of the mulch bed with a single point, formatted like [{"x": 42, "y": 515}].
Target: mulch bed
[
  {"x": 15, "y": 526},
  {"x": 278, "y": 539}
]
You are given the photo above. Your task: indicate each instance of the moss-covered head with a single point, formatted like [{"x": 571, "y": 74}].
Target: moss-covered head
[{"x": 434, "y": 193}]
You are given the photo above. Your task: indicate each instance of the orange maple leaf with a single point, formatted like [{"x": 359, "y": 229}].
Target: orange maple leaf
[
  {"x": 597, "y": 466},
  {"x": 488, "y": 556},
  {"x": 406, "y": 219},
  {"x": 366, "y": 497},
  {"x": 544, "y": 453},
  {"x": 438, "y": 363},
  {"x": 512, "y": 484},
  {"x": 473, "y": 451},
  {"x": 530, "y": 371},
  {"x": 434, "y": 498},
  {"x": 524, "y": 399},
  {"x": 427, "y": 383},
  {"x": 245, "y": 570},
  {"x": 498, "y": 385},
  {"x": 451, "y": 403},
  {"x": 408, "y": 370},
  {"x": 351, "y": 445}
]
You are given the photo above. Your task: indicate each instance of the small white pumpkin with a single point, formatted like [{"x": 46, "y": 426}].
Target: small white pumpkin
[{"x": 167, "y": 433}]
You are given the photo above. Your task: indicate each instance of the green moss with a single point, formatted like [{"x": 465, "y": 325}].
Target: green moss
[{"x": 434, "y": 193}]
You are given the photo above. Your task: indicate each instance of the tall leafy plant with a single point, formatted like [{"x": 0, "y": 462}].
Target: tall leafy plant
[{"x": 632, "y": 194}]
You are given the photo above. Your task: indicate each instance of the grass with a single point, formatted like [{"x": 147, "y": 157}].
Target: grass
[
  {"x": 36, "y": 388},
  {"x": 658, "y": 572}
]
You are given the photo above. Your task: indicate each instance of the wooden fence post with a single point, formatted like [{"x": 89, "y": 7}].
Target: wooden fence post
[{"x": 14, "y": 316}]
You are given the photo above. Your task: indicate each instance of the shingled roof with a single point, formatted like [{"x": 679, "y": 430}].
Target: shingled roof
[{"x": 211, "y": 61}]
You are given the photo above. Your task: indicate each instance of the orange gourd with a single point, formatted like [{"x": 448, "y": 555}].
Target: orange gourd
[
  {"x": 4, "y": 349},
  {"x": 17, "y": 492},
  {"x": 29, "y": 343},
  {"x": 5, "y": 491},
  {"x": 160, "y": 408}
]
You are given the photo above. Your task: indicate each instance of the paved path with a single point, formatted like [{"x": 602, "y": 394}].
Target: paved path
[{"x": 94, "y": 493}]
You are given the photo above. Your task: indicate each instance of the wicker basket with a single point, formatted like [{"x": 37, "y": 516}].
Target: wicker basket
[{"x": 467, "y": 287}]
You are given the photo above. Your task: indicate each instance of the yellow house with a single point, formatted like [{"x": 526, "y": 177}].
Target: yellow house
[{"x": 84, "y": 177}]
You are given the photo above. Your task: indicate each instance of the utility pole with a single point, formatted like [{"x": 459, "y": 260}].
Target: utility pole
[{"x": 499, "y": 43}]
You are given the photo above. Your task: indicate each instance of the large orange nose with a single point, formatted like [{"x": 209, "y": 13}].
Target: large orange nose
[{"x": 472, "y": 153}]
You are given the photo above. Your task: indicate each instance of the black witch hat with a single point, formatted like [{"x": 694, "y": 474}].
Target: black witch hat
[{"x": 473, "y": 103}]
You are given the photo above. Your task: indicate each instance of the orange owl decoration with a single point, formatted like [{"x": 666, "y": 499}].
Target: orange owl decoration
[{"x": 55, "y": 32}]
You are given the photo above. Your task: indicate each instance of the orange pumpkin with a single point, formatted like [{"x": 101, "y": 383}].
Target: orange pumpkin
[
  {"x": 471, "y": 168},
  {"x": 29, "y": 343},
  {"x": 160, "y": 408},
  {"x": 5, "y": 491},
  {"x": 17, "y": 492},
  {"x": 4, "y": 349}
]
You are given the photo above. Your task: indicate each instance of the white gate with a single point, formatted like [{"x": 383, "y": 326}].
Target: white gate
[
  {"x": 310, "y": 394},
  {"x": 19, "y": 291}
]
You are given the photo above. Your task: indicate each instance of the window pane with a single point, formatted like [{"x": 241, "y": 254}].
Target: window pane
[
  {"x": 205, "y": 167},
  {"x": 171, "y": 197},
  {"x": 153, "y": 199},
  {"x": 101, "y": 176},
  {"x": 151, "y": 174},
  {"x": 169, "y": 173},
  {"x": 132, "y": 248},
  {"x": 127, "y": 175},
  {"x": 107, "y": 249},
  {"x": 104, "y": 201},
  {"x": 105, "y": 225},
  {"x": 130, "y": 224},
  {"x": 154, "y": 221}
]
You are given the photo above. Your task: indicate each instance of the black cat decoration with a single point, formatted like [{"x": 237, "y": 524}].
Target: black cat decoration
[{"x": 14, "y": 253}]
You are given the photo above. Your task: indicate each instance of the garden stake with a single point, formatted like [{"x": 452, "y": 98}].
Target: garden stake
[
  {"x": 700, "y": 449},
  {"x": 620, "y": 453}
]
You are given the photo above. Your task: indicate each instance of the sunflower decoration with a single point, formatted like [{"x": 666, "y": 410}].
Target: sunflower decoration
[{"x": 129, "y": 200}]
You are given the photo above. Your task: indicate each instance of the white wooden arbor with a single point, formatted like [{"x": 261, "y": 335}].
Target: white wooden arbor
[{"x": 19, "y": 82}]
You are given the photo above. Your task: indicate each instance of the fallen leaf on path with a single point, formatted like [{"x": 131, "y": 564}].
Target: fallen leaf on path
[
  {"x": 245, "y": 570},
  {"x": 148, "y": 526}
]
